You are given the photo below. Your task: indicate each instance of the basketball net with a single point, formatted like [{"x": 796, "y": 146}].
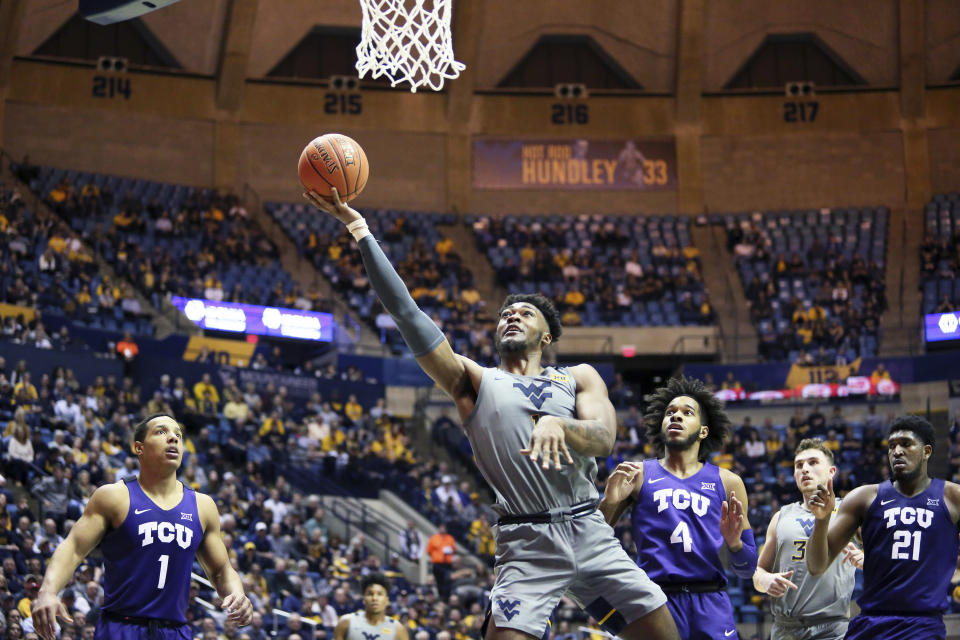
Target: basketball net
[{"x": 408, "y": 41}]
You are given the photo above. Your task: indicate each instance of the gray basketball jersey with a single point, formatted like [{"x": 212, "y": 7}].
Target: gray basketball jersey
[
  {"x": 500, "y": 425},
  {"x": 824, "y": 596},
  {"x": 360, "y": 629}
]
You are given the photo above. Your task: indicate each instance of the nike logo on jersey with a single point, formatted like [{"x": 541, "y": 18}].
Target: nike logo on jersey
[
  {"x": 139, "y": 511},
  {"x": 656, "y": 480},
  {"x": 883, "y": 502},
  {"x": 727, "y": 634}
]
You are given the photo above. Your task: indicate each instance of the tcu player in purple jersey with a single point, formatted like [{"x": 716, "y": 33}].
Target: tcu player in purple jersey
[
  {"x": 685, "y": 509},
  {"x": 150, "y": 530},
  {"x": 909, "y": 529}
]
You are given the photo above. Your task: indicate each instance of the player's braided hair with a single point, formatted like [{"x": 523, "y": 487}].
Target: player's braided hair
[
  {"x": 542, "y": 303},
  {"x": 711, "y": 414}
]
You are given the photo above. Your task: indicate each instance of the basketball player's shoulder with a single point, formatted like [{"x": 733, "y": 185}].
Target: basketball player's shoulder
[
  {"x": 951, "y": 493},
  {"x": 206, "y": 508},
  {"x": 860, "y": 499},
  {"x": 114, "y": 494},
  {"x": 584, "y": 375}
]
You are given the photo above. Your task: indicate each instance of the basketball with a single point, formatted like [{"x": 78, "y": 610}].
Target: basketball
[{"x": 336, "y": 161}]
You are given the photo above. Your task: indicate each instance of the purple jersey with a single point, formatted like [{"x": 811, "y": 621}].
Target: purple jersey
[
  {"x": 148, "y": 560},
  {"x": 910, "y": 552},
  {"x": 676, "y": 525}
]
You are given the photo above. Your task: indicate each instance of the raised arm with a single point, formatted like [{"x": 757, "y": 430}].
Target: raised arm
[
  {"x": 104, "y": 505},
  {"x": 621, "y": 490},
  {"x": 735, "y": 527},
  {"x": 829, "y": 538},
  {"x": 421, "y": 334},
  {"x": 213, "y": 557}
]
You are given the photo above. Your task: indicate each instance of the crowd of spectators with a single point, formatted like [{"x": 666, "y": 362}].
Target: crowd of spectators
[
  {"x": 940, "y": 254},
  {"x": 817, "y": 305},
  {"x": 45, "y": 266},
  {"x": 173, "y": 240},
  {"x": 253, "y": 450},
  {"x": 601, "y": 270}
]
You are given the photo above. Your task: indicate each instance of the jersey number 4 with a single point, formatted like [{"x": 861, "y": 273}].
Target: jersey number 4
[
  {"x": 902, "y": 543},
  {"x": 681, "y": 535}
]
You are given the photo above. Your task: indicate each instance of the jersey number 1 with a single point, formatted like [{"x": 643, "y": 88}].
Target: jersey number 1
[
  {"x": 682, "y": 535},
  {"x": 164, "y": 559}
]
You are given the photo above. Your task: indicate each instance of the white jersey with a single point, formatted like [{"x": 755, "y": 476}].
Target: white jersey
[{"x": 825, "y": 596}]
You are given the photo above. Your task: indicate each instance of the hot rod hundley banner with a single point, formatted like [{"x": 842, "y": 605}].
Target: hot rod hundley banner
[{"x": 642, "y": 165}]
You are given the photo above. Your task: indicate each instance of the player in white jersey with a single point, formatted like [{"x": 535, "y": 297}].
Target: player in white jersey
[
  {"x": 805, "y": 607},
  {"x": 535, "y": 431},
  {"x": 371, "y": 623}
]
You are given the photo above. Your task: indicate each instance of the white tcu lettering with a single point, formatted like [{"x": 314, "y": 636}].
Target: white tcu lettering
[
  {"x": 908, "y": 515},
  {"x": 682, "y": 500},
  {"x": 165, "y": 532}
]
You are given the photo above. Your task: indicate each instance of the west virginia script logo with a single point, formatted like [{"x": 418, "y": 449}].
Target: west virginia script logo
[
  {"x": 509, "y": 608},
  {"x": 370, "y": 636},
  {"x": 537, "y": 393},
  {"x": 807, "y": 525}
]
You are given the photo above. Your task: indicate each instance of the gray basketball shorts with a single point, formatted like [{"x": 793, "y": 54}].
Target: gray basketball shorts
[
  {"x": 538, "y": 563},
  {"x": 834, "y": 630}
]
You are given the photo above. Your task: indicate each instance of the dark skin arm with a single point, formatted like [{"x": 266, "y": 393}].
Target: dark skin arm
[
  {"x": 829, "y": 538},
  {"x": 621, "y": 490},
  {"x": 591, "y": 434}
]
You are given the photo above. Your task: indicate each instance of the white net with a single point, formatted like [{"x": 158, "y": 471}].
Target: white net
[{"x": 408, "y": 41}]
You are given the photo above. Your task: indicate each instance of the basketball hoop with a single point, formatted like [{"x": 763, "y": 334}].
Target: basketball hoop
[{"x": 408, "y": 41}]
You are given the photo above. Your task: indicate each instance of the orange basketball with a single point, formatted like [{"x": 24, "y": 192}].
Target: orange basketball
[{"x": 334, "y": 160}]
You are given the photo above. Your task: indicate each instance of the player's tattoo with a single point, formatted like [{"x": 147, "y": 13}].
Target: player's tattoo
[{"x": 593, "y": 432}]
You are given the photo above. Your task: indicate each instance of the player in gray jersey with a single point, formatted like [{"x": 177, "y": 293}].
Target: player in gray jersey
[
  {"x": 535, "y": 432},
  {"x": 805, "y": 607},
  {"x": 371, "y": 623}
]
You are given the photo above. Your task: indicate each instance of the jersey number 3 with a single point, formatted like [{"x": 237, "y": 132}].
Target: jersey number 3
[{"x": 681, "y": 535}]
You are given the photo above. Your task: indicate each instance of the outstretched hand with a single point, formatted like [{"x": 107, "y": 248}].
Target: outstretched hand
[
  {"x": 731, "y": 520},
  {"x": 238, "y": 607},
  {"x": 622, "y": 482},
  {"x": 337, "y": 209},
  {"x": 779, "y": 584},
  {"x": 547, "y": 442},
  {"x": 46, "y": 609},
  {"x": 823, "y": 502},
  {"x": 853, "y": 555}
]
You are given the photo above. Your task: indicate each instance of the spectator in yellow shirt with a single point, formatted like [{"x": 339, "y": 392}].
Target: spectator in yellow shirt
[
  {"x": 443, "y": 246},
  {"x": 206, "y": 385},
  {"x": 272, "y": 424},
  {"x": 353, "y": 409}
]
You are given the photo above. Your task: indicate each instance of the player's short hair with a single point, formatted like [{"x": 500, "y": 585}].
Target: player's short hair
[
  {"x": 542, "y": 303},
  {"x": 372, "y": 579},
  {"x": 140, "y": 429},
  {"x": 920, "y": 428},
  {"x": 711, "y": 414},
  {"x": 814, "y": 443}
]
